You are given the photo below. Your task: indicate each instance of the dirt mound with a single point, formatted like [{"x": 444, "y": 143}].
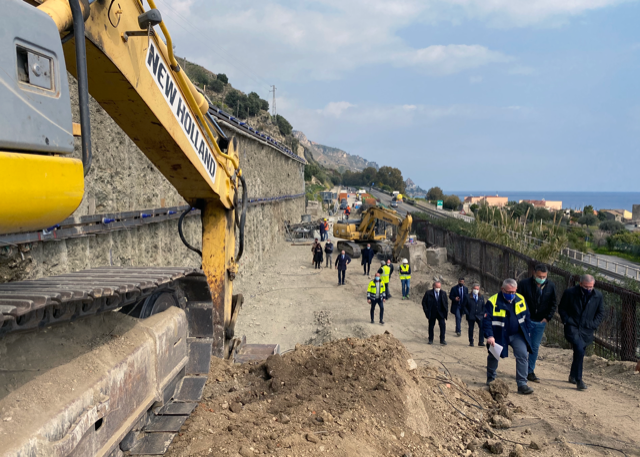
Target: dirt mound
[{"x": 350, "y": 397}]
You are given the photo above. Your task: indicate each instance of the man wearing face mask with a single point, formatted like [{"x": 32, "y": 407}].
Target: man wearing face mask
[
  {"x": 474, "y": 311},
  {"x": 435, "y": 307},
  {"x": 582, "y": 311},
  {"x": 540, "y": 296},
  {"x": 458, "y": 296},
  {"x": 507, "y": 322},
  {"x": 376, "y": 295}
]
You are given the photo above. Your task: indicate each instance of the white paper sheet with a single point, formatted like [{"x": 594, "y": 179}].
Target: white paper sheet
[{"x": 496, "y": 350}]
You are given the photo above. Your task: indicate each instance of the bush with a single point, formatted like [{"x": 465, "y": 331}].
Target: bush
[
  {"x": 451, "y": 202},
  {"x": 222, "y": 78},
  {"x": 588, "y": 219},
  {"x": 216, "y": 85},
  {"x": 435, "y": 193},
  {"x": 602, "y": 216},
  {"x": 264, "y": 105},
  {"x": 283, "y": 125},
  {"x": 611, "y": 226}
]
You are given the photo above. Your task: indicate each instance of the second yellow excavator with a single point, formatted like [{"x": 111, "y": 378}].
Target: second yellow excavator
[{"x": 372, "y": 229}]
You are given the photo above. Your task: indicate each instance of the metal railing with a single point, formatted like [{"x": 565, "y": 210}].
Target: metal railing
[
  {"x": 608, "y": 266},
  {"x": 617, "y": 337}
]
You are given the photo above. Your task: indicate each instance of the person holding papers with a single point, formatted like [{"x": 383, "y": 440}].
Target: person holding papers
[{"x": 507, "y": 323}]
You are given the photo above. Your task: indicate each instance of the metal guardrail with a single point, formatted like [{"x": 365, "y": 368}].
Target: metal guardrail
[
  {"x": 606, "y": 266},
  {"x": 619, "y": 334}
]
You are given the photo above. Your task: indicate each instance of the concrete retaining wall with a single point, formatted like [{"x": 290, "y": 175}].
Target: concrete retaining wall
[{"x": 122, "y": 179}]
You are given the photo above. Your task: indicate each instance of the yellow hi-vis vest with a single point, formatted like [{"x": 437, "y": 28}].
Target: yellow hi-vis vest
[
  {"x": 386, "y": 271},
  {"x": 371, "y": 291},
  {"x": 499, "y": 316},
  {"x": 404, "y": 271}
]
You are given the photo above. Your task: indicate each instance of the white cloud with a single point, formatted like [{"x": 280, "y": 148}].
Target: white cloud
[{"x": 335, "y": 109}]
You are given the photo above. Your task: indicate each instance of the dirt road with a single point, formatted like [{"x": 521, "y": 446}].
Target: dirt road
[{"x": 288, "y": 302}]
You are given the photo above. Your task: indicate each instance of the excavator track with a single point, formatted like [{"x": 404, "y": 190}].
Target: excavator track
[
  {"x": 350, "y": 248},
  {"x": 139, "y": 393}
]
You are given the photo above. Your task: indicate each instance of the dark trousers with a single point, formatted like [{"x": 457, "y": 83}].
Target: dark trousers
[
  {"x": 341, "y": 274},
  {"x": 317, "y": 263},
  {"x": 578, "y": 359},
  {"x": 367, "y": 267},
  {"x": 458, "y": 315},
  {"x": 323, "y": 236},
  {"x": 373, "y": 308},
  {"x": 441, "y": 323},
  {"x": 471, "y": 327}
]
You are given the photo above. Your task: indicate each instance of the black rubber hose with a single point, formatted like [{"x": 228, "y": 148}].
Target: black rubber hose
[
  {"x": 83, "y": 83},
  {"x": 243, "y": 218},
  {"x": 184, "y": 240}
]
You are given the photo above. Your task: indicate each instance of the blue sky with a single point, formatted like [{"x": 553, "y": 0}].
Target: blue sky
[{"x": 538, "y": 94}]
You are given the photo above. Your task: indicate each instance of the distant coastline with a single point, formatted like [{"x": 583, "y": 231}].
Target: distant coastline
[{"x": 572, "y": 200}]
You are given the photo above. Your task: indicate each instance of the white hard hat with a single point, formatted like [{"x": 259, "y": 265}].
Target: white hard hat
[{"x": 405, "y": 261}]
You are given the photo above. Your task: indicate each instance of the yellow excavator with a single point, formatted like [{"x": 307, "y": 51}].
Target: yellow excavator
[
  {"x": 372, "y": 229},
  {"x": 133, "y": 395}
]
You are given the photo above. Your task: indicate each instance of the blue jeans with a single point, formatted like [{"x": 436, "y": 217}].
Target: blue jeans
[
  {"x": 458, "y": 320},
  {"x": 519, "y": 347},
  {"x": 537, "y": 330},
  {"x": 405, "y": 287}
]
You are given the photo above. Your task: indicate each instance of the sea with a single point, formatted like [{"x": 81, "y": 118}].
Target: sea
[{"x": 570, "y": 200}]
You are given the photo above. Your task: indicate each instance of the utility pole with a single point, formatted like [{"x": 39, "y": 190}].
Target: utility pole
[{"x": 273, "y": 103}]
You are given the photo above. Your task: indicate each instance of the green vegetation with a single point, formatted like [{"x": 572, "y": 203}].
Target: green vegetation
[
  {"x": 312, "y": 191},
  {"x": 386, "y": 178},
  {"x": 244, "y": 106},
  {"x": 451, "y": 202},
  {"x": 283, "y": 125},
  {"x": 434, "y": 194},
  {"x": 222, "y": 78}
]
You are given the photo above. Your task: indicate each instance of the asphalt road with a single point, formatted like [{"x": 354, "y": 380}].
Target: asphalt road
[{"x": 402, "y": 208}]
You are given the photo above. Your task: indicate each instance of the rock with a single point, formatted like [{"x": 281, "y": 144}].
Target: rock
[
  {"x": 235, "y": 407},
  {"x": 225, "y": 405},
  {"x": 326, "y": 417},
  {"x": 245, "y": 452},
  {"x": 506, "y": 412},
  {"x": 311, "y": 438},
  {"x": 527, "y": 431},
  {"x": 283, "y": 418},
  {"x": 473, "y": 445},
  {"x": 517, "y": 451},
  {"x": 494, "y": 446},
  {"x": 534, "y": 445},
  {"x": 499, "y": 390},
  {"x": 501, "y": 422},
  {"x": 412, "y": 364}
]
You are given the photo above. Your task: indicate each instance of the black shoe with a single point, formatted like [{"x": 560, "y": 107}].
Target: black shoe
[
  {"x": 532, "y": 377},
  {"x": 372, "y": 322},
  {"x": 430, "y": 342},
  {"x": 582, "y": 385},
  {"x": 471, "y": 344},
  {"x": 481, "y": 343},
  {"x": 458, "y": 334},
  {"x": 489, "y": 381},
  {"x": 572, "y": 380},
  {"x": 381, "y": 323},
  {"x": 525, "y": 390},
  {"x": 443, "y": 343}
]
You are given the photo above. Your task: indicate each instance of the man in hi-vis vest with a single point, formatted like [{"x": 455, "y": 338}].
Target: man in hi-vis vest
[
  {"x": 405, "y": 278},
  {"x": 376, "y": 295},
  {"x": 507, "y": 322}
]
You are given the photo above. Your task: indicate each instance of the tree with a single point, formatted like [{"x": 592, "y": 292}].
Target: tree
[
  {"x": 602, "y": 216},
  {"x": 391, "y": 177},
  {"x": 588, "y": 219},
  {"x": 451, "y": 202},
  {"x": 283, "y": 125},
  {"x": 542, "y": 214},
  {"x": 474, "y": 208},
  {"x": 264, "y": 105},
  {"x": 223, "y": 78},
  {"x": 237, "y": 102},
  {"x": 216, "y": 85},
  {"x": 612, "y": 226},
  {"x": 435, "y": 193},
  {"x": 588, "y": 210}
]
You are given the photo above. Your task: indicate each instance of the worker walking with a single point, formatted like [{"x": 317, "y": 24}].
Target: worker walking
[
  {"x": 458, "y": 296},
  {"x": 474, "y": 310},
  {"x": 540, "y": 295},
  {"x": 347, "y": 212},
  {"x": 405, "y": 278},
  {"x": 385, "y": 272},
  {"x": 435, "y": 306},
  {"x": 341, "y": 264},
  {"x": 367, "y": 257},
  {"x": 507, "y": 322},
  {"x": 328, "y": 252},
  {"x": 582, "y": 311},
  {"x": 376, "y": 295},
  {"x": 323, "y": 230},
  {"x": 317, "y": 257}
]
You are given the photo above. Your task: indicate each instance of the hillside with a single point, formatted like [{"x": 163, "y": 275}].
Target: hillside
[
  {"x": 333, "y": 158},
  {"x": 412, "y": 189}
]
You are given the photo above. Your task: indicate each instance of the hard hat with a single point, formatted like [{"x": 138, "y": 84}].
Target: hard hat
[
  {"x": 325, "y": 219},
  {"x": 405, "y": 261}
]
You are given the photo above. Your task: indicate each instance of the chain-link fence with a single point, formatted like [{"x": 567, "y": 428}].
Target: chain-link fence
[{"x": 617, "y": 337}]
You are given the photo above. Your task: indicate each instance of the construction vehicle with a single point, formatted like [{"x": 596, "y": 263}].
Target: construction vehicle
[
  {"x": 133, "y": 393},
  {"x": 372, "y": 229}
]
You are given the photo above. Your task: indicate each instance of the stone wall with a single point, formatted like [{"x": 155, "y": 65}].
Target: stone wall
[
  {"x": 122, "y": 179},
  {"x": 636, "y": 213}
]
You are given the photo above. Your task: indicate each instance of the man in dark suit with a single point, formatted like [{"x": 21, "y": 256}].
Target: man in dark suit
[
  {"x": 435, "y": 306},
  {"x": 341, "y": 264},
  {"x": 582, "y": 311},
  {"x": 539, "y": 293},
  {"x": 474, "y": 310},
  {"x": 458, "y": 296},
  {"x": 367, "y": 257}
]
